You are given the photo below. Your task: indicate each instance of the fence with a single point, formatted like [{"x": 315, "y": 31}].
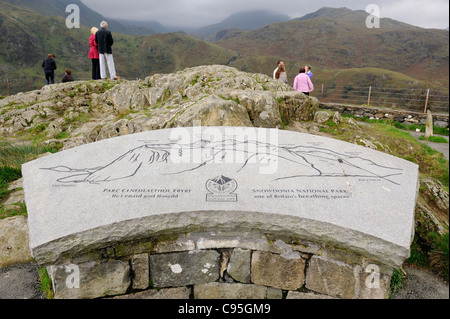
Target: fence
[
  {"x": 10, "y": 86},
  {"x": 17, "y": 85},
  {"x": 402, "y": 98}
]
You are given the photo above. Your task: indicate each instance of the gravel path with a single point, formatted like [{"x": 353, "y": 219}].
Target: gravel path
[
  {"x": 420, "y": 284},
  {"x": 20, "y": 282},
  {"x": 440, "y": 147}
]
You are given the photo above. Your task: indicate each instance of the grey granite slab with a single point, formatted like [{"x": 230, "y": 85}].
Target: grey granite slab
[{"x": 221, "y": 178}]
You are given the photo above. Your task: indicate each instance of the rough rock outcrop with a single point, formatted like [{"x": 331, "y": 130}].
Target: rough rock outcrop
[{"x": 77, "y": 113}]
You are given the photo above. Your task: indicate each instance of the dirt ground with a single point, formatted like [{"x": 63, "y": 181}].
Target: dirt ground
[{"x": 420, "y": 284}]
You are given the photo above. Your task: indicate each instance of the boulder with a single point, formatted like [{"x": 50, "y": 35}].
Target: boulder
[
  {"x": 337, "y": 118},
  {"x": 297, "y": 106},
  {"x": 214, "y": 111},
  {"x": 261, "y": 106},
  {"x": 14, "y": 247},
  {"x": 435, "y": 192},
  {"x": 322, "y": 117}
]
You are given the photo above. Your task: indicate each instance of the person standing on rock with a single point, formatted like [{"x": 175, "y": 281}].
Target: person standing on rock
[
  {"x": 49, "y": 66},
  {"x": 302, "y": 82},
  {"x": 105, "y": 41},
  {"x": 276, "y": 70},
  {"x": 308, "y": 71},
  {"x": 281, "y": 74},
  {"x": 94, "y": 56}
]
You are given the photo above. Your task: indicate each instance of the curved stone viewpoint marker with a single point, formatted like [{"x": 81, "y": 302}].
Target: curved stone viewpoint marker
[{"x": 204, "y": 179}]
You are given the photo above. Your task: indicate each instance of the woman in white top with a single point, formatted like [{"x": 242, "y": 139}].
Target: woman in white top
[{"x": 281, "y": 74}]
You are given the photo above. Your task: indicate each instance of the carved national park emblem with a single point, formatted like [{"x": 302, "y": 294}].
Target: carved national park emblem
[{"x": 221, "y": 189}]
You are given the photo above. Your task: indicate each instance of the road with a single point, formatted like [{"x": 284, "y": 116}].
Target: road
[{"x": 440, "y": 147}]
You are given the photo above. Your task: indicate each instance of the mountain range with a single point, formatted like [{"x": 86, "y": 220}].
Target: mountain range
[
  {"x": 335, "y": 41},
  {"x": 339, "y": 39},
  {"x": 249, "y": 20},
  {"x": 88, "y": 17},
  {"x": 245, "y": 21}
]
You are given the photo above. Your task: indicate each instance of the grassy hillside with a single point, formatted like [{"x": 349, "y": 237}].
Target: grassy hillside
[
  {"x": 170, "y": 52},
  {"x": 27, "y": 37},
  {"x": 336, "y": 43},
  {"x": 389, "y": 89},
  {"x": 357, "y": 17},
  {"x": 88, "y": 17}
]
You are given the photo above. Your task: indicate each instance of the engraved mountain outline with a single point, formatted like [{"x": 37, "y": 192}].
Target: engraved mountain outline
[{"x": 305, "y": 161}]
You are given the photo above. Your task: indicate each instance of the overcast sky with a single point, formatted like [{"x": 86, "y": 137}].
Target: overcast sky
[{"x": 199, "y": 13}]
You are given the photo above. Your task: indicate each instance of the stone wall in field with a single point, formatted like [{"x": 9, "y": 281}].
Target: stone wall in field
[{"x": 402, "y": 116}]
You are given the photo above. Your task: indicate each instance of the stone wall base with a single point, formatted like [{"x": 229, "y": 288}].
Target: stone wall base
[{"x": 220, "y": 266}]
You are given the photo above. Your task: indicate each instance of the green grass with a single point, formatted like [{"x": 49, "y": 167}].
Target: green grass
[
  {"x": 430, "y": 161},
  {"x": 396, "y": 142},
  {"x": 330, "y": 128},
  {"x": 434, "y": 139},
  {"x": 418, "y": 254},
  {"x": 431, "y": 251},
  {"x": 229, "y": 99},
  {"x": 393, "y": 131},
  {"x": 401, "y": 126},
  {"x": 46, "y": 284},
  {"x": 396, "y": 282},
  {"x": 402, "y": 144},
  {"x": 62, "y": 135},
  {"x": 438, "y": 255},
  {"x": 284, "y": 119},
  {"x": 7, "y": 175},
  {"x": 441, "y": 131},
  {"x": 108, "y": 85},
  {"x": 12, "y": 156},
  {"x": 195, "y": 81}
]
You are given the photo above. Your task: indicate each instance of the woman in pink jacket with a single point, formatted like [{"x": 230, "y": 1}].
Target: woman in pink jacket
[
  {"x": 93, "y": 55},
  {"x": 302, "y": 82}
]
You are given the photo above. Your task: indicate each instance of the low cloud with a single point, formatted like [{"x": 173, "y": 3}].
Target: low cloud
[
  {"x": 430, "y": 14},
  {"x": 198, "y": 13}
]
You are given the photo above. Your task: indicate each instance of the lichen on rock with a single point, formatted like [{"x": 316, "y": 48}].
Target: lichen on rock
[{"x": 84, "y": 112}]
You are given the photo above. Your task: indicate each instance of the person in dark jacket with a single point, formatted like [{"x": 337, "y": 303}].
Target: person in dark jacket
[
  {"x": 105, "y": 41},
  {"x": 49, "y": 66},
  {"x": 67, "y": 77}
]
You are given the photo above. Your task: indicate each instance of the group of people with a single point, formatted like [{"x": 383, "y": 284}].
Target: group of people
[
  {"x": 100, "y": 50},
  {"x": 100, "y": 43},
  {"x": 49, "y": 65},
  {"x": 303, "y": 81}
]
